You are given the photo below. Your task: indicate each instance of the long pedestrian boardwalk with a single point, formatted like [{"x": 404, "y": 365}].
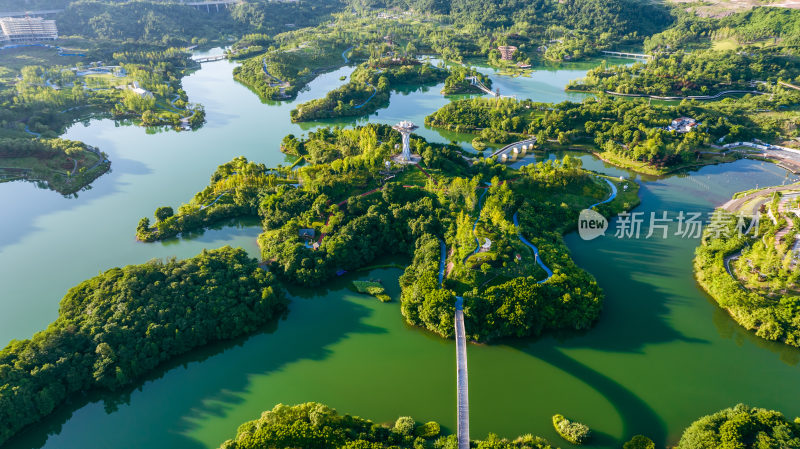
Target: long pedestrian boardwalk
[{"x": 461, "y": 376}]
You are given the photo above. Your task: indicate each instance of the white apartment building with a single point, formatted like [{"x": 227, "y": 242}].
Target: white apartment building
[{"x": 26, "y": 29}]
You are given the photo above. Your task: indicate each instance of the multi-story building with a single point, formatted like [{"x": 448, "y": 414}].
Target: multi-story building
[
  {"x": 26, "y": 29},
  {"x": 507, "y": 52}
]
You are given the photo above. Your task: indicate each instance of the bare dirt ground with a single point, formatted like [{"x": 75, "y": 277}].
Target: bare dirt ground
[{"x": 722, "y": 8}]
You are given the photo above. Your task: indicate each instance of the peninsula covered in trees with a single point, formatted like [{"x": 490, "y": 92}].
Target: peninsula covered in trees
[
  {"x": 457, "y": 82},
  {"x": 62, "y": 165},
  {"x": 742, "y": 426},
  {"x": 116, "y": 327},
  {"x": 369, "y": 88},
  {"x": 697, "y": 73},
  {"x": 359, "y": 209},
  {"x": 749, "y": 265},
  {"x": 627, "y": 132}
]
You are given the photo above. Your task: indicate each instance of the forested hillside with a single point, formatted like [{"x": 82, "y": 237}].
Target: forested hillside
[
  {"x": 172, "y": 23},
  {"x": 618, "y": 16},
  {"x": 114, "y": 328}
]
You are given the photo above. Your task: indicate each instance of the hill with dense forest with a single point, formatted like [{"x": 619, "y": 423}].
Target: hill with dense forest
[
  {"x": 618, "y": 16},
  {"x": 116, "y": 327}
]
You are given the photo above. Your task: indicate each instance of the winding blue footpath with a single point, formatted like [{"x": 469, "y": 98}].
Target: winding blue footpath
[
  {"x": 611, "y": 197},
  {"x": 344, "y": 54},
  {"x": 475, "y": 225},
  {"x": 535, "y": 251},
  {"x": 34, "y": 134},
  {"x": 215, "y": 200},
  {"x": 462, "y": 387},
  {"x": 374, "y": 91}
]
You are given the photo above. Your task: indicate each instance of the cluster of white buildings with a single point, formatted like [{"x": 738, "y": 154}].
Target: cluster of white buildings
[
  {"x": 26, "y": 29},
  {"x": 138, "y": 90},
  {"x": 683, "y": 125}
]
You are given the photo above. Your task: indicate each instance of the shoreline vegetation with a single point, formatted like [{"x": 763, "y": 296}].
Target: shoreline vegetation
[
  {"x": 315, "y": 425},
  {"x": 116, "y": 327},
  {"x": 107, "y": 62},
  {"x": 369, "y": 89},
  {"x": 457, "y": 82},
  {"x": 334, "y": 216},
  {"x": 572, "y": 431},
  {"x": 228, "y": 196},
  {"x": 630, "y": 133},
  {"x": 499, "y": 230},
  {"x": 62, "y": 165},
  {"x": 754, "y": 277}
]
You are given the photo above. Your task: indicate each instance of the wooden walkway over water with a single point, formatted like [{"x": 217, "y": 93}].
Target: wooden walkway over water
[{"x": 461, "y": 376}]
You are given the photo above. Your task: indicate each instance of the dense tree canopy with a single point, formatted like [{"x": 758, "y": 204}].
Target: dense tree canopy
[
  {"x": 630, "y": 129},
  {"x": 767, "y": 303},
  {"x": 313, "y": 425},
  {"x": 116, "y": 327},
  {"x": 700, "y": 72},
  {"x": 360, "y": 208},
  {"x": 742, "y": 427},
  {"x": 369, "y": 89}
]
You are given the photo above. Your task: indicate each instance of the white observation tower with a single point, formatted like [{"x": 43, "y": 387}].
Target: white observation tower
[{"x": 405, "y": 128}]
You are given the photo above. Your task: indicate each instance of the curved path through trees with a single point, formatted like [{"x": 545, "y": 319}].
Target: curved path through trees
[
  {"x": 374, "y": 91},
  {"x": 728, "y": 259},
  {"x": 282, "y": 85},
  {"x": 34, "y": 134},
  {"x": 610, "y": 197},
  {"x": 344, "y": 54},
  {"x": 688, "y": 97},
  {"x": 215, "y": 200},
  {"x": 535, "y": 251},
  {"x": 547, "y": 270},
  {"x": 475, "y": 225}
]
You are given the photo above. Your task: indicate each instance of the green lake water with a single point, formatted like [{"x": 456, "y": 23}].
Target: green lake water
[{"x": 660, "y": 356}]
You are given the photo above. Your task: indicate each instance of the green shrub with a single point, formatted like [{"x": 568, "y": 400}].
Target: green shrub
[
  {"x": 742, "y": 427},
  {"x": 574, "y": 432},
  {"x": 428, "y": 430},
  {"x": 404, "y": 425},
  {"x": 639, "y": 442}
]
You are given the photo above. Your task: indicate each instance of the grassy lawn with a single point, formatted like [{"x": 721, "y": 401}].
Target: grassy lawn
[
  {"x": 16, "y": 58},
  {"x": 626, "y": 199},
  {"x": 412, "y": 176},
  {"x": 372, "y": 288},
  {"x": 725, "y": 44},
  {"x": 107, "y": 80}
]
